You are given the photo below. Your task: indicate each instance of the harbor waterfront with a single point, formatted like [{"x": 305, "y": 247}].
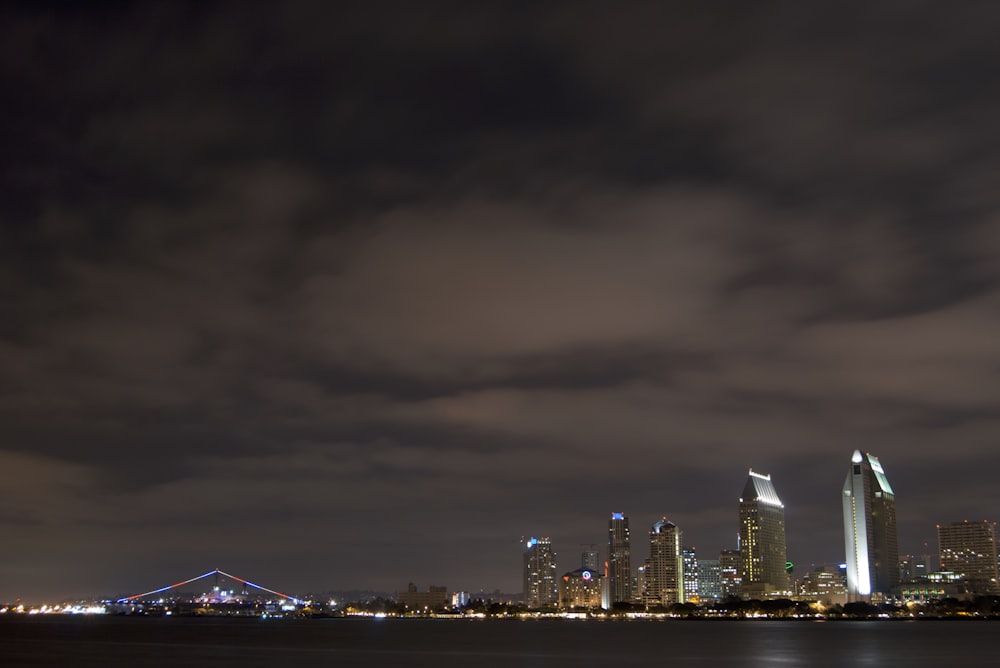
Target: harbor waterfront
[{"x": 99, "y": 640}]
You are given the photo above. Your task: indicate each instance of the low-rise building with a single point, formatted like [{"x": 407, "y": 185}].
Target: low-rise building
[{"x": 432, "y": 599}]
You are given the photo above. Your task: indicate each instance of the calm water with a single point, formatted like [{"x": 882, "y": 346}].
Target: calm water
[{"x": 115, "y": 641}]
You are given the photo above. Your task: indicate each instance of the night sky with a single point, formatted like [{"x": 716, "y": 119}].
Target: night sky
[{"x": 347, "y": 295}]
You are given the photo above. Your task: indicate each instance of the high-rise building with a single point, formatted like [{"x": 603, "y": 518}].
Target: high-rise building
[
  {"x": 665, "y": 569},
  {"x": 869, "y": 528},
  {"x": 730, "y": 573},
  {"x": 619, "y": 560},
  {"x": 540, "y": 581},
  {"x": 709, "y": 582},
  {"x": 970, "y": 550},
  {"x": 691, "y": 579},
  {"x": 762, "y": 539},
  {"x": 640, "y": 578}
]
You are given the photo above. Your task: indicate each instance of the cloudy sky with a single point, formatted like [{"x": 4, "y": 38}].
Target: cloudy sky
[{"x": 344, "y": 295}]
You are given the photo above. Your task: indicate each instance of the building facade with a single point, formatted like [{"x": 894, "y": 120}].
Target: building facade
[
  {"x": 826, "y": 583},
  {"x": 762, "y": 539},
  {"x": 915, "y": 567},
  {"x": 640, "y": 578},
  {"x": 435, "y": 598},
  {"x": 730, "y": 573},
  {"x": 664, "y": 581},
  {"x": 869, "y": 529},
  {"x": 582, "y": 588},
  {"x": 541, "y": 587},
  {"x": 709, "y": 581},
  {"x": 619, "y": 560},
  {"x": 969, "y": 549},
  {"x": 691, "y": 578}
]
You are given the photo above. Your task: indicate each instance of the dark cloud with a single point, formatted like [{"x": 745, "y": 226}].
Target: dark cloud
[{"x": 357, "y": 295}]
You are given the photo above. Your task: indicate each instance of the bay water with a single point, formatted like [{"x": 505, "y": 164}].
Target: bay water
[{"x": 174, "y": 641}]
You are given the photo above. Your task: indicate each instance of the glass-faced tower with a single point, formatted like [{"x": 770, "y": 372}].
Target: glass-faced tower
[{"x": 869, "y": 528}]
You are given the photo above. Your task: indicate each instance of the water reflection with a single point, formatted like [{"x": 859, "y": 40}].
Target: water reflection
[{"x": 485, "y": 644}]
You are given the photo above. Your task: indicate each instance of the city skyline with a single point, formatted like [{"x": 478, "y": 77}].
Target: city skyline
[
  {"x": 541, "y": 568},
  {"x": 966, "y": 550},
  {"x": 305, "y": 288}
]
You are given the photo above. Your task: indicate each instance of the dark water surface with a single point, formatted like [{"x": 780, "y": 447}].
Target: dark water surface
[{"x": 126, "y": 641}]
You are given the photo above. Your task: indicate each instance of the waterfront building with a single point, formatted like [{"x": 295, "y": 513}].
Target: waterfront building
[
  {"x": 619, "y": 560},
  {"x": 709, "y": 582},
  {"x": 869, "y": 528},
  {"x": 691, "y": 590},
  {"x": 970, "y": 550},
  {"x": 582, "y": 588},
  {"x": 434, "y": 598},
  {"x": 825, "y": 583},
  {"x": 923, "y": 592},
  {"x": 762, "y": 539},
  {"x": 540, "y": 581},
  {"x": 730, "y": 570},
  {"x": 664, "y": 581},
  {"x": 937, "y": 586}
]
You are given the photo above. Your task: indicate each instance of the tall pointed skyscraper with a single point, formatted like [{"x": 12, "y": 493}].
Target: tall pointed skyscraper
[
  {"x": 619, "y": 560},
  {"x": 869, "y": 528},
  {"x": 762, "y": 539}
]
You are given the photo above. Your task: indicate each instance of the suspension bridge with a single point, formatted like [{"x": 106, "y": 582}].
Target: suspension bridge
[{"x": 215, "y": 572}]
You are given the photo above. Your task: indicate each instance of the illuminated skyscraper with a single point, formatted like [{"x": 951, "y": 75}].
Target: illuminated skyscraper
[
  {"x": 664, "y": 582},
  {"x": 619, "y": 560},
  {"x": 540, "y": 582},
  {"x": 762, "y": 539},
  {"x": 970, "y": 550},
  {"x": 869, "y": 528}
]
